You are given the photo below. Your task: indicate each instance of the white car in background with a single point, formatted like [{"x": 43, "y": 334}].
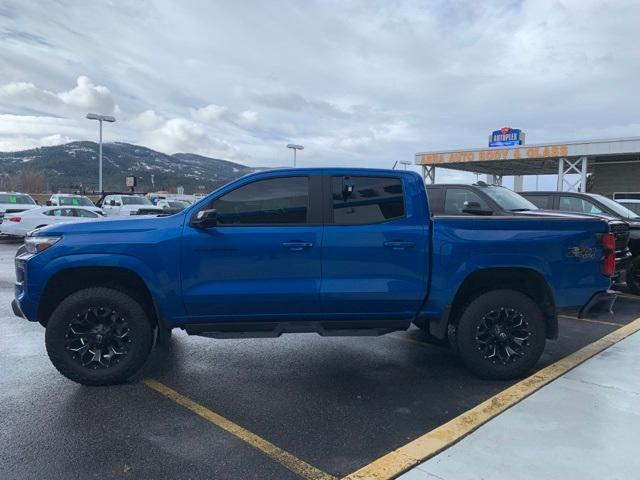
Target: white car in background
[
  {"x": 20, "y": 223},
  {"x": 72, "y": 200},
  {"x": 119, "y": 205},
  {"x": 13, "y": 202}
]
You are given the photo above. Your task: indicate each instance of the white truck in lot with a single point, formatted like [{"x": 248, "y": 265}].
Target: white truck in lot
[
  {"x": 123, "y": 205},
  {"x": 72, "y": 200}
]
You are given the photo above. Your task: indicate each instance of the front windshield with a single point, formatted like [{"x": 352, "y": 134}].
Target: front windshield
[
  {"x": 81, "y": 201},
  {"x": 508, "y": 199},
  {"x": 178, "y": 204},
  {"x": 615, "y": 206},
  {"x": 135, "y": 201},
  {"x": 16, "y": 199}
]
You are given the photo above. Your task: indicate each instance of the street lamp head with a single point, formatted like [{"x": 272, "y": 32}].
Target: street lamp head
[
  {"x": 295, "y": 147},
  {"x": 104, "y": 118}
]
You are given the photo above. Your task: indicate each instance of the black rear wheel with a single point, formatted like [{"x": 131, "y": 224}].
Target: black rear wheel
[
  {"x": 501, "y": 334},
  {"x": 98, "y": 336}
]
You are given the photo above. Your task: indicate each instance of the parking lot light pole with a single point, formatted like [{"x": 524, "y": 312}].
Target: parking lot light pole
[
  {"x": 100, "y": 118},
  {"x": 294, "y": 148},
  {"x": 405, "y": 163}
]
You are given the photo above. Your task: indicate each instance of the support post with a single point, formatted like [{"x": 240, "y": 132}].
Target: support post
[
  {"x": 429, "y": 174},
  {"x": 518, "y": 182},
  {"x": 572, "y": 167},
  {"x": 560, "y": 174}
]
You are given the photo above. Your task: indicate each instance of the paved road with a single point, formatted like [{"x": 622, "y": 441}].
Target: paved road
[{"x": 334, "y": 403}]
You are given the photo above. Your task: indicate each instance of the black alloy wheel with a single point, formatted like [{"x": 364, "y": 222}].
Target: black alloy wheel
[
  {"x": 98, "y": 337},
  {"x": 502, "y": 335}
]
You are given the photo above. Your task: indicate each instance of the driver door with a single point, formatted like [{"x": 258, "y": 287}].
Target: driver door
[{"x": 262, "y": 259}]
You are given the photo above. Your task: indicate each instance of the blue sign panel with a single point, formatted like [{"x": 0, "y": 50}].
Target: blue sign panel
[{"x": 506, "y": 137}]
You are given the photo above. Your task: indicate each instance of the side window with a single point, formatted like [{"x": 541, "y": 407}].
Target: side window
[
  {"x": 276, "y": 201},
  {"x": 541, "y": 201},
  {"x": 455, "y": 197},
  {"x": 366, "y": 200},
  {"x": 85, "y": 213},
  {"x": 49, "y": 213},
  {"x": 576, "y": 204},
  {"x": 67, "y": 212}
]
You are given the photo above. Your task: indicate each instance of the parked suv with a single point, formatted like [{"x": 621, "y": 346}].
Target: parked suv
[
  {"x": 14, "y": 202},
  {"x": 594, "y": 203},
  {"x": 485, "y": 200}
]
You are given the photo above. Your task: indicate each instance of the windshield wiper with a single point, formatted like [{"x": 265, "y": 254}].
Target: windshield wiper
[{"x": 520, "y": 209}]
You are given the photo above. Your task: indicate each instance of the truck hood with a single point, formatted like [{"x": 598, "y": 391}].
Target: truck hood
[{"x": 110, "y": 225}]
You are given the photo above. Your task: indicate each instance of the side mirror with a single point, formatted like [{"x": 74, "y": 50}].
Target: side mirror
[
  {"x": 474, "y": 208},
  {"x": 112, "y": 203},
  {"x": 49, "y": 203},
  {"x": 205, "y": 219}
]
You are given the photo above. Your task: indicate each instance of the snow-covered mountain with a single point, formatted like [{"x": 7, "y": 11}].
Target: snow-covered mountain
[{"x": 75, "y": 164}]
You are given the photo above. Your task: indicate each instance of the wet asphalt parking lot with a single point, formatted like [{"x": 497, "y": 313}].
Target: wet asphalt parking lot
[{"x": 328, "y": 406}]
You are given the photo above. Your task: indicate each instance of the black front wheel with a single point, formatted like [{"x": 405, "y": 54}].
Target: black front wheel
[
  {"x": 501, "y": 334},
  {"x": 98, "y": 336}
]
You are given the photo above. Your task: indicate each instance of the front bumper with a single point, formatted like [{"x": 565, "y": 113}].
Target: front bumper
[{"x": 606, "y": 298}]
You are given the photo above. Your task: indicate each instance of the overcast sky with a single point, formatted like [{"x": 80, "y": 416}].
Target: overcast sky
[{"x": 357, "y": 83}]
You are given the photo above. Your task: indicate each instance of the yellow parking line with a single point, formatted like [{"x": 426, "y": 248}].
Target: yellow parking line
[
  {"x": 291, "y": 462},
  {"x": 589, "y": 320},
  {"x": 424, "y": 447}
]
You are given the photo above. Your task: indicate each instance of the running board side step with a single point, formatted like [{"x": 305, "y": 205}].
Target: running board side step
[{"x": 343, "y": 328}]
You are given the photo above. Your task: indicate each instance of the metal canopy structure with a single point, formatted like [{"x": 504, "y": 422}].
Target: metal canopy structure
[{"x": 563, "y": 159}]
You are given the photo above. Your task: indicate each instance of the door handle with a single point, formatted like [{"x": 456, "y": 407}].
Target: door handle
[
  {"x": 297, "y": 246},
  {"x": 399, "y": 245}
]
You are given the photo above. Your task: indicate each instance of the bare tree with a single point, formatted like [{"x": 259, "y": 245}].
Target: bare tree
[{"x": 32, "y": 180}]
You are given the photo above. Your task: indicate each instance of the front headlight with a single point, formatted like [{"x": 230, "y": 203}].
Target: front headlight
[{"x": 38, "y": 244}]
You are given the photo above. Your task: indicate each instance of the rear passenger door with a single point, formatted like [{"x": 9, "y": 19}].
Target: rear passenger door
[{"x": 374, "y": 254}]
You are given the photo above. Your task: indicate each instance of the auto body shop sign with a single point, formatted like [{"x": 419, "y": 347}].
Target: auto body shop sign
[{"x": 516, "y": 153}]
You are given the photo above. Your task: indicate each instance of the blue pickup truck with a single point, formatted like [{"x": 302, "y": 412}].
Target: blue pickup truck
[{"x": 332, "y": 251}]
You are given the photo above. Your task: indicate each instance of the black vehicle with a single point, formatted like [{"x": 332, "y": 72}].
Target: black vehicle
[
  {"x": 593, "y": 203},
  {"x": 484, "y": 199}
]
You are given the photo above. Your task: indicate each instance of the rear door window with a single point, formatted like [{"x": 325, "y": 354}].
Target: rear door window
[
  {"x": 366, "y": 200},
  {"x": 455, "y": 199}
]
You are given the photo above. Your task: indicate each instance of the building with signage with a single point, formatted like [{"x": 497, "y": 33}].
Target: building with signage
[{"x": 614, "y": 163}]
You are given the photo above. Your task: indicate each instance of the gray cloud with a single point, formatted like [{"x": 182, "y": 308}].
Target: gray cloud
[{"x": 358, "y": 82}]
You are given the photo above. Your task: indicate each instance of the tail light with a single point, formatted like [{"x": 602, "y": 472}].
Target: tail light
[
  {"x": 15, "y": 219},
  {"x": 608, "y": 266}
]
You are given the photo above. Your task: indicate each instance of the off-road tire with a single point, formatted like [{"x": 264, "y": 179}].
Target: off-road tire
[
  {"x": 140, "y": 338},
  {"x": 473, "y": 320}
]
